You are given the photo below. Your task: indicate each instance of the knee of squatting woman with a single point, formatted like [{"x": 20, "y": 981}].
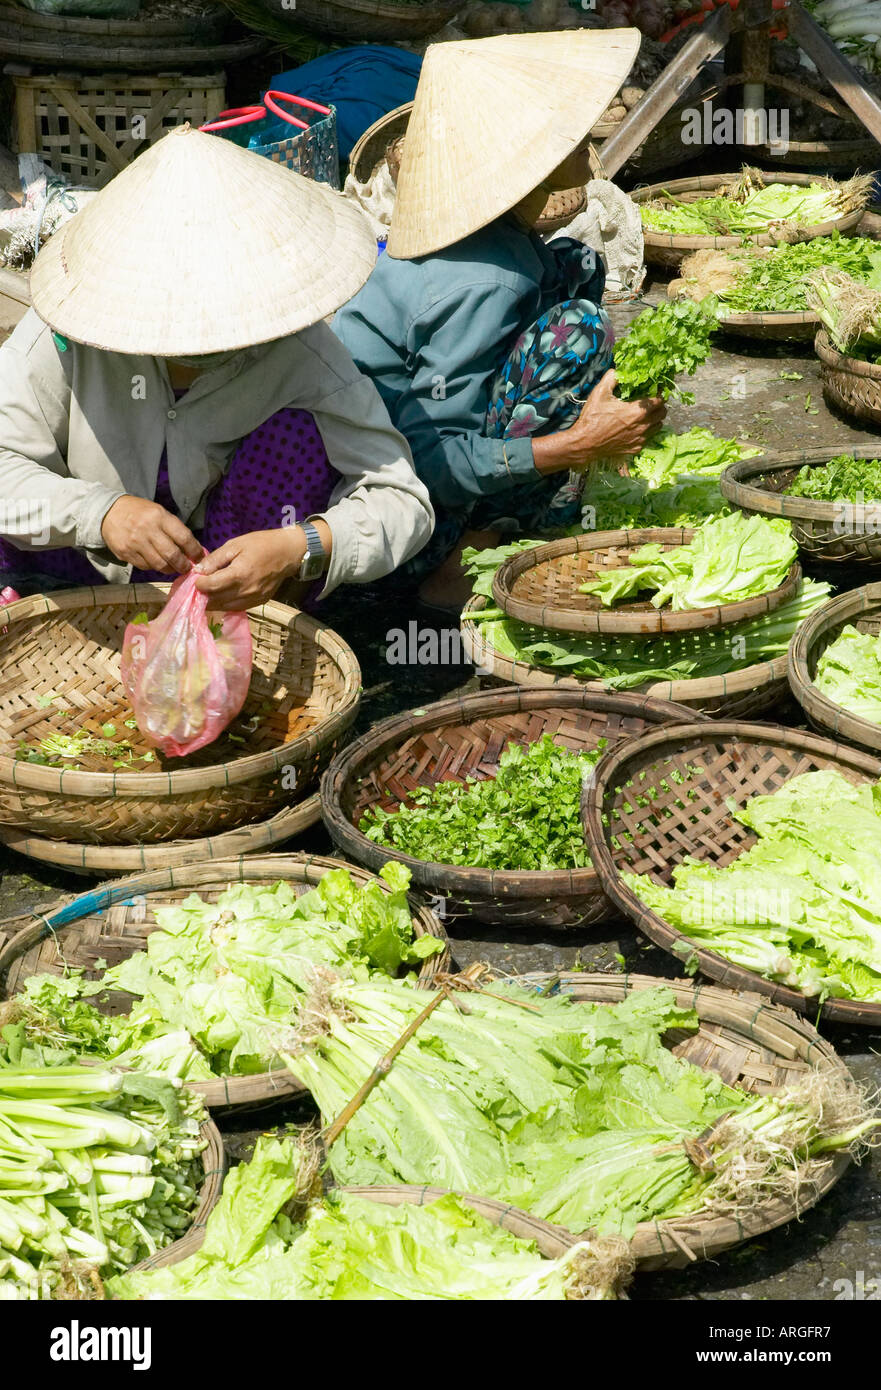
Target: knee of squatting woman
[{"x": 174, "y": 397}]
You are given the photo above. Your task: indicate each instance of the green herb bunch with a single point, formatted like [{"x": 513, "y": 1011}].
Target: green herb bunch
[
  {"x": 527, "y": 817},
  {"x": 672, "y": 340},
  {"x": 839, "y": 480}
]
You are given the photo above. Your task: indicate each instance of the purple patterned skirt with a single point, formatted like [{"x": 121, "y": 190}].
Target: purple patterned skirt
[{"x": 280, "y": 473}]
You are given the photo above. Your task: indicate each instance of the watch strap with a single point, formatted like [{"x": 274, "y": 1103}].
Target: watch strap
[{"x": 315, "y": 557}]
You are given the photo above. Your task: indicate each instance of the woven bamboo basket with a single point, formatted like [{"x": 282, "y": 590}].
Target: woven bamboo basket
[
  {"x": 853, "y": 386},
  {"x": 551, "y": 1241},
  {"x": 860, "y": 608},
  {"x": 692, "y": 774},
  {"x": 367, "y": 20},
  {"x": 753, "y": 1045},
  {"x": 465, "y": 737},
  {"x": 740, "y": 695},
  {"x": 842, "y": 156},
  {"x": 774, "y": 328},
  {"x": 82, "y": 125},
  {"x": 68, "y": 644},
  {"x": 664, "y": 249},
  {"x": 373, "y": 146},
  {"x": 103, "y": 860},
  {"x": 114, "y": 921},
  {"x": 825, "y": 532},
  {"x": 540, "y": 586}
]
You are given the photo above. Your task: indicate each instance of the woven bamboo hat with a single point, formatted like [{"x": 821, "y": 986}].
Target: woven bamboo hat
[
  {"x": 492, "y": 119},
  {"x": 200, "y": 246}
]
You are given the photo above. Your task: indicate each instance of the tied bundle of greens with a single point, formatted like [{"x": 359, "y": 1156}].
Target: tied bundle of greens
[
  {"x": 849, "y": 673},
  {"x": 801, "y": 906},
  {"x": 347, "y": 1247},
  {"x": 730, "y": 558},
  {"x": 771, "y": 279},
  {"x": 750, "y": 206},
  {"x": 526, "y": 817},
  {"x": 842, "y": 479},
  {"x": 220, "y": 986},
  {"x": 661, "y": 344},
  {"x": 575, "y": 1112},
  {"x": 850, "y": 311},
  {"x": 98, "y": 1170}
]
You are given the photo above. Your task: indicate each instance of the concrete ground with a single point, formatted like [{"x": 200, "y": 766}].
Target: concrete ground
[{"x": 740, "y": 392}]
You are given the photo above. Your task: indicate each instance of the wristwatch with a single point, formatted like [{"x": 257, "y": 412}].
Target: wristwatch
[{"x": 316, "y": 556}]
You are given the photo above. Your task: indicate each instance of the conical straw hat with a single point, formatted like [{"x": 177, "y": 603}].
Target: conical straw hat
[
  {"x": 201, "y": 246},
  {"x": 492, "y": 119}
]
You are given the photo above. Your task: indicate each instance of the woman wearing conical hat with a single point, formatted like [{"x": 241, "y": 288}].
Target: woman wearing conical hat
[
  {"x": 174, "y": 391},
  {"x": 484, "y": 342}
]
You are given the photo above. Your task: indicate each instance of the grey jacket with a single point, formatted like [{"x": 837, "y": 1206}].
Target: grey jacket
[{"x": 80, "y": 427}]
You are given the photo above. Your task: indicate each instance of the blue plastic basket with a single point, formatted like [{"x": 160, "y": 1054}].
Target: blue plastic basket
[{"x": 307, "y": 145}]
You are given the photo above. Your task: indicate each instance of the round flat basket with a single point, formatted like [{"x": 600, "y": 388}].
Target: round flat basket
[
  {"x": 835, "y": 533},
  {"x": 738, "y": 695},
  {"x": 859, "y": 608},
  {"x": 465, "y": 737},
  {"x": 691, "y": 776},
  {"x": 775, "y": 328},
  {"x": 540, "y": 586},
  {"x": 663, "y": 249},
  {"x": 752, "y": 1045},
  {"x": 59, "y": 674},
  {"x": 367, "y": 20},
  {"x": 844, "y": 155},
  {"x": 114, "y": 921},
  {"x": 133, "y": 859},
  {"x": 851, "y": 385},
  {"x": 551, "y": 1241}
]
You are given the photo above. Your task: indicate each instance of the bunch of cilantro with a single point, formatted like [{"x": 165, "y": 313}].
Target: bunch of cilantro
[
  {"x": 526, "y": 817},
  {"x": 661, "y": 344}
]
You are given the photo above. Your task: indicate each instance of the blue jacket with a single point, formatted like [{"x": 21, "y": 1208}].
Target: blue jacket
[{"x": 431, "y": 334}]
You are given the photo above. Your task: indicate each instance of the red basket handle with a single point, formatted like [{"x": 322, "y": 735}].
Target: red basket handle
[
  {"x": 272, "y": 98},
  {"x": 236, "y": 115}
]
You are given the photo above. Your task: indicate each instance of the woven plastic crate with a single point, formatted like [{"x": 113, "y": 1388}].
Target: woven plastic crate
[{"x": 91, "y": 127}]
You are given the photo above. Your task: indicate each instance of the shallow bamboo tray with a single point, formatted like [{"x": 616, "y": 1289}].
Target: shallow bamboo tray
[
  {"x": 540, "y": 586},
  {"x": 551, "y": 1241},
  {"x": 823, "y": 531},
  {"x": 365, "y": 20},
  {"x": 69, "y": 643},
  {"x": 849, "y": 383},
  {"x": 739, "y": 695},
  {"x": 101, "y": 860},
  {"x": 751, "y": 1044},
  {"x": 775, "y": 328},
  {"x": 114, "y": 921},
  {"x": 860, "y": 608},
  {"x": 663, "y": 249},
  {"x": 842, "y": 155},
  {"x": 463, "y": 737},
  {"x": 713, "y": 764}
]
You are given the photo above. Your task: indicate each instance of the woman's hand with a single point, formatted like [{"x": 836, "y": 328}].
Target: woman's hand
[
  {"x": 606, "y": 428},
  {"x": 145, "y": 535},
  {"x": 247, "y": 571}
]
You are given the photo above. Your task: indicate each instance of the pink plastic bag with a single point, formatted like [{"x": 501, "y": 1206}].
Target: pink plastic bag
[{"x": 184, "y": 683}]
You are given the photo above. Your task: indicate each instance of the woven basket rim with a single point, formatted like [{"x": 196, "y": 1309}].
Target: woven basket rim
[
  {"x": 109, "y": 859},
  {"x": 702, "y": 182},
  {"x": 611, "y": 773},
  {"x": 811, "y": 640},
  {"x": 391, "y": 118},
  {"x": 225, "y": 1091},
  {"x": 770, "y": 319},
  {"x": 677, "y": 692},
  {"x": 624, "y": 619},
  {"x": 362, "y": 752},
  {"x": 841, "y": 361},
  {"x": 736, "y": 484},
  {"x": 73, "y": 782}
]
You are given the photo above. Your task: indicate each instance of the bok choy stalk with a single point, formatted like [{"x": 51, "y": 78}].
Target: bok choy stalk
[{"x": 98, "y": 1169}]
